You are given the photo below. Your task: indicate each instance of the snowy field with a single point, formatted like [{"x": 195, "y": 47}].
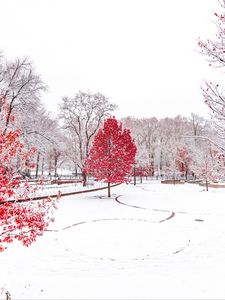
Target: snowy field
[{"x": 150, "y": 241}]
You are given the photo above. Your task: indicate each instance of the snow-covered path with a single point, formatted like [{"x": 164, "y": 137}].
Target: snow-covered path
[{"x": 160, "y": 241}]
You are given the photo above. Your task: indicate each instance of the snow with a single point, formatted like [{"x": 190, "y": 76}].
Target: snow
[
  {"x": 157, "y": 242},
  {"x": 51, "y": 189}
]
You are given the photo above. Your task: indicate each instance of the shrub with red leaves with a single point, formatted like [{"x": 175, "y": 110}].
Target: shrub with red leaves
[{"x": 23, "y": 221}]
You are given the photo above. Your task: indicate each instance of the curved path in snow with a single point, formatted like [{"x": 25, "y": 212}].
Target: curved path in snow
[
  {"x": 141, "y": 207},
  {"x": 172, "y": 215},
  {"x": 143, "y": 231}
]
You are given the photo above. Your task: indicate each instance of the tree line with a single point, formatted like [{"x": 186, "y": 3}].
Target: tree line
[{"x": 164, "y": 146}]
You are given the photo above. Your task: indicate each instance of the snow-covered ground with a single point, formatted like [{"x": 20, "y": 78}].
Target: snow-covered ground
[{"x": 155, "y": 242}]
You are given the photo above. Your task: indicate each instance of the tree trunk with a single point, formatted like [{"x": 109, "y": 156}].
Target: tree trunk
[
  {"x": 55, "y": 168},
  {"x": 27, "y": 170},
  {"x": 206, "y": 184},
  {"x": 152, "y": 169},
  {"x": 134, "y": 175},
  {"x": 37, "y": 165},
  {"x": 50, "y": 167},
  {"x": 109, "y": 191},
  {"x": 75, "y": 167},
  {"x": 42, "y": 166},
  {"x": 84, "y": 175},
  {"x": 206, "y": 179},
  {"x": 8, "y": 295}
]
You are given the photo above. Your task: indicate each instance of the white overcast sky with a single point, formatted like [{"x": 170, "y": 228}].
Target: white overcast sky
[{"x": 141, "y": 54}]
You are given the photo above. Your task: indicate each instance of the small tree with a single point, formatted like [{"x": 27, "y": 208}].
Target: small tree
[
  {"x": 23, "y": 221},
  {"x": 208, "y": 163},
  {"x": 183, "y": 160},
  {"x": 82, "y": 117},
  {"x": 112, "y": 154}
]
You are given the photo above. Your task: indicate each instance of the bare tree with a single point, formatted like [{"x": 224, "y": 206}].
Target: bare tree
[
  {"x": 198, "y": 124},
  {"x": 39, "y": 130},
  {"x": 82, "y": 117},
  {"x": 207, "y": 161},
  {"x": 145, "y": 132},
  {"x": 72, "y": 153},
  {"x": 20, "y": 85},
  {"x": 214, "y": 52}
]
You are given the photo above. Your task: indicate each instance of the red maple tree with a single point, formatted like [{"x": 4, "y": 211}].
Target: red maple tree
[
  {"x": 183, "y": 161},
  {"x": 112, "y": 154},
  {"x": 23, "y": 221}
]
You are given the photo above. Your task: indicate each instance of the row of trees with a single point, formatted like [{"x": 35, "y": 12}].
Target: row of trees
[
  {"x": 66, "y": 141},
  {"x": 176, "y": 147},
  {"x": 161, "y": 144}
]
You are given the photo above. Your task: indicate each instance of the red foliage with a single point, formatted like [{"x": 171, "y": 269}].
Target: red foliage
[
  {"x": 22, "y": 221},
  {"x": 112, "y": 154},
  {"x": 146, "y": 170},
  {"x": 183, "y": 160}
]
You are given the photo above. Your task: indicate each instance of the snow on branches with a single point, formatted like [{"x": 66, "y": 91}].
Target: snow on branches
[
  {"x": 112, "y": 154},
  {"x": 214, "y": 51},
  {"x": 23, "y": 221}
]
